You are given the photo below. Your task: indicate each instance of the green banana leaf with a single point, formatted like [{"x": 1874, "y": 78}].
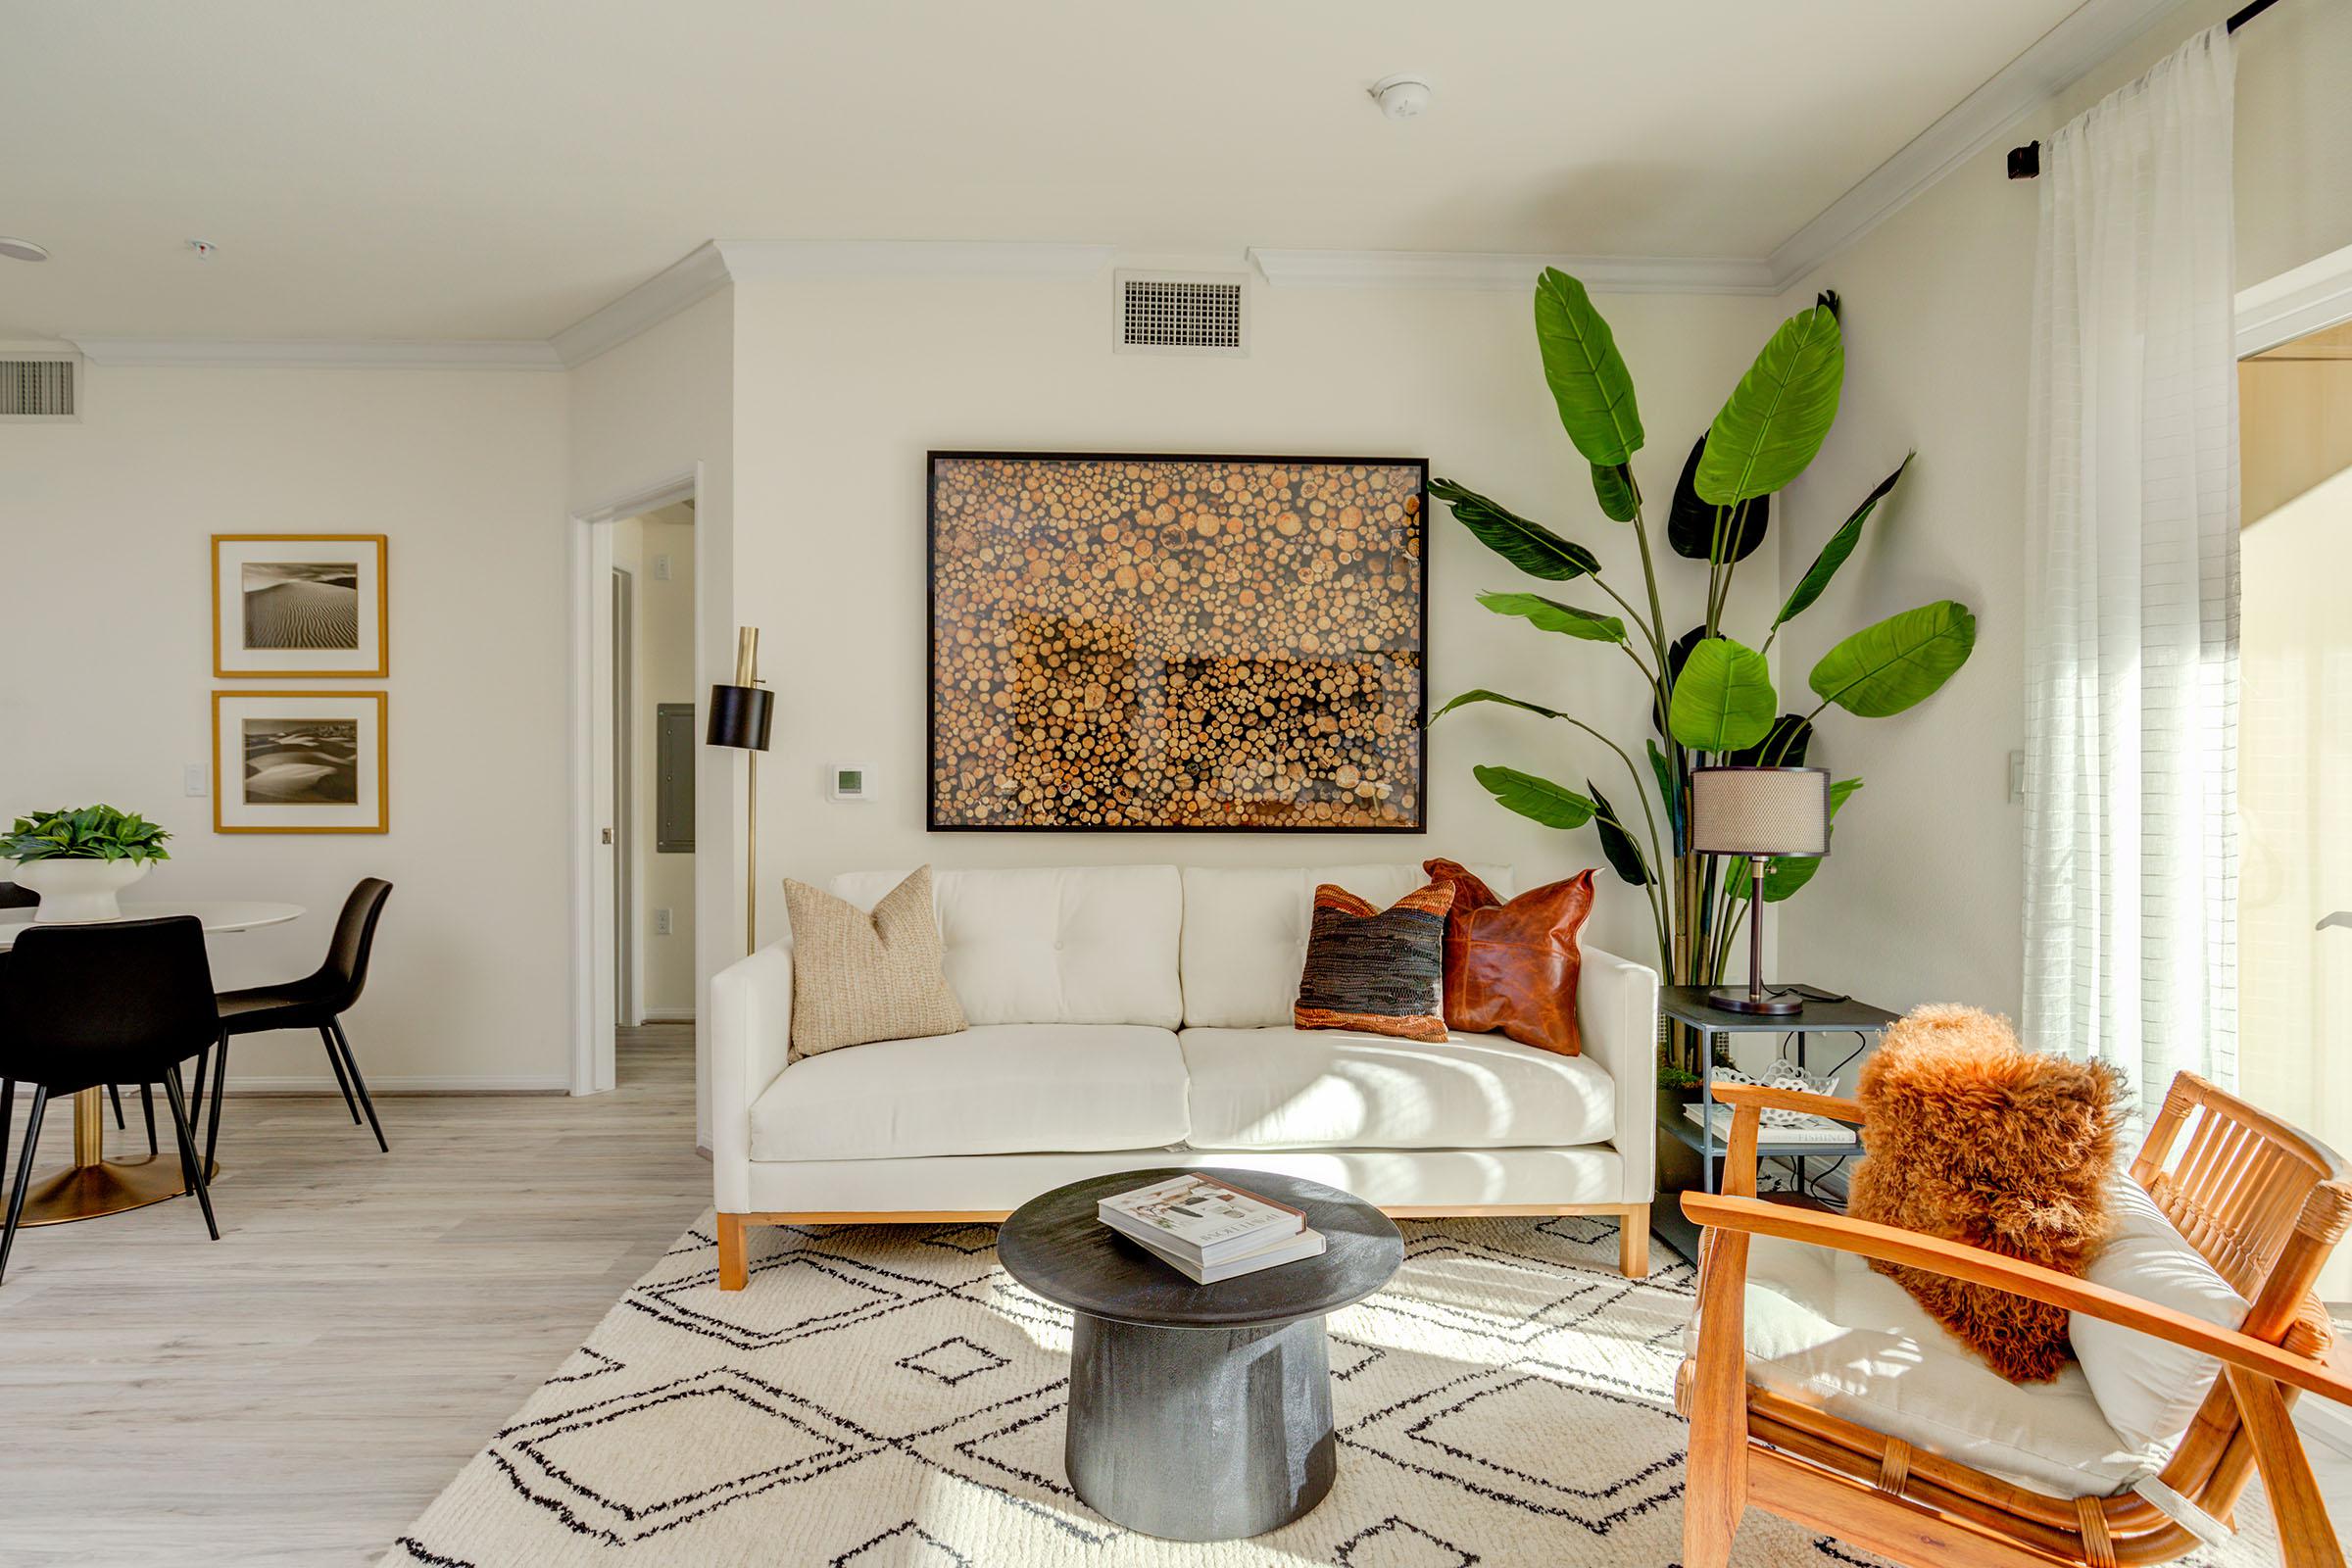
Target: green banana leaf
[
  {"x": 1620, "y": 498},
  {"x": 1784, "y": 746},
  {"x": 1668, "y": 793},
  {"x": 1530, "y": 545},
  {"x": 1833, "y": 553},
  {"x": 1724, "y": 699},
  {"x": 1690, "y": 521},
  {"x": 1481, "y": 695},
  {"x": 1898, "y": 662},
  {"x": 1551, "y": 615},
  {"x": 1539, "y": 800},
  {"x": 1776, "y": 416},
  {"x": 1625, "y": 855},
  {"x": 1587, "y": 374}
]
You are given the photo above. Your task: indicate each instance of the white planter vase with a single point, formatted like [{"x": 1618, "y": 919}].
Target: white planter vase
[{"x": 78, "y": 889}]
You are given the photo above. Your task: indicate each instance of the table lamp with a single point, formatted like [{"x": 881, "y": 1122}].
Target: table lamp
[
  {"x": 1758, "y": 813},
  {"x": 740, "y": 715}
]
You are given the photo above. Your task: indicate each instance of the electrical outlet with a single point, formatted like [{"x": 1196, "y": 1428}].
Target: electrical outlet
[
  {"x": 196, "y": 780},
  {"x": 661, "y": 922}
]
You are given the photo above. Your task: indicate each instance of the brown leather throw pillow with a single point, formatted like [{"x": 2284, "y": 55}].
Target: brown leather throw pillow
[
  {"x": 1513, "y": 967},
  {"x": 1973, "y": 1138}
]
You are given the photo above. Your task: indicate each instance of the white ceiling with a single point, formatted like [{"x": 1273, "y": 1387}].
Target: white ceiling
[{"x": 452, "y": 170}]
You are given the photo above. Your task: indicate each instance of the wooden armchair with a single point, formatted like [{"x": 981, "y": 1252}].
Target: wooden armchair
[{"x": 2264, "y": 1205}]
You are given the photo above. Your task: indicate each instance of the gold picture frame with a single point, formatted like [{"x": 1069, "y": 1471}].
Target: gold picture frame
[
  {"x": 313, "y": 748},
  {"x": 301, "y": 606}
]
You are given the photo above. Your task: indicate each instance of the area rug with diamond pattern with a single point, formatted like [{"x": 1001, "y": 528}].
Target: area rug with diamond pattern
[{"x": 888, "y": 1398}]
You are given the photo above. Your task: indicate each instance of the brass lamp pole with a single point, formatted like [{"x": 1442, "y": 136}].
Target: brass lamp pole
[{"x": 740, "y": 715}]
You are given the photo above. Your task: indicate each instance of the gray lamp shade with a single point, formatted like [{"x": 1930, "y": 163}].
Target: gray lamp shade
[{"x": 1760, "y": 811}]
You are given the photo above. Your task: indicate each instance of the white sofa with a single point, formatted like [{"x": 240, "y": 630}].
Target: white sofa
[{"x": 1124, "y": 1017}]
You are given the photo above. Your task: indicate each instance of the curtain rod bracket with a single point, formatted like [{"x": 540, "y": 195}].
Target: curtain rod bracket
[{"x": 2024, "y": 163}]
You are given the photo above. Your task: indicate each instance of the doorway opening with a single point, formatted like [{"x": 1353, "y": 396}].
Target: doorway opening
[
  {"x": 651, "y": 759},
  {"x": 2295, "y": 739}
]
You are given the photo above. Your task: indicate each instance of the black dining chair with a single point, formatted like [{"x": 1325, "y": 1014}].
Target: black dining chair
[
  {"x": 317, "y": 1001},
  {"x": 122, "y": 1001},
  {"x": 16, "y": 896}
]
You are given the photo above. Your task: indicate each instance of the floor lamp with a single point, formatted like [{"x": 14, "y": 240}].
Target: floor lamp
[{"x": 739, "y": 719}]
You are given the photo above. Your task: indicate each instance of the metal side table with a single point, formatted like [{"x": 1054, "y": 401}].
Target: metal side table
[{"x": 1689, "y": 1005}]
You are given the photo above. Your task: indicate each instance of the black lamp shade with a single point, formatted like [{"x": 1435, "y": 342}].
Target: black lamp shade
[{"x": 740, "y": 717}]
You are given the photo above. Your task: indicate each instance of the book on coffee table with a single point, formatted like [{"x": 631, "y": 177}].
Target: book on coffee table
[
  {"x": 1199, "y": 1219},
  {"x": 1308, "y": 1242}
]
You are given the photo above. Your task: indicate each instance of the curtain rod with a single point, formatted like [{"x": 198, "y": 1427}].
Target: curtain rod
[{"x": 2024, "y": 163}]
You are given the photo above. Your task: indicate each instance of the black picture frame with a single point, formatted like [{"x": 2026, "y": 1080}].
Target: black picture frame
[{"x": 932, "y": 824}]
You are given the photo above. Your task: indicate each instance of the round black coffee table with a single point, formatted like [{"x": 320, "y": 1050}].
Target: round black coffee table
[{"x": 1197, "y": 1412}]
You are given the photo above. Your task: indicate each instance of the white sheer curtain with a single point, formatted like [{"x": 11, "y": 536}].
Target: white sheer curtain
[{"x": 2131, "y": 650}]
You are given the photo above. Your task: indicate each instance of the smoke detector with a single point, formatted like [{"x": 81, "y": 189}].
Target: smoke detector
[
  {"x": 21, "y": 250},
  {"x": 204, "y": 249},
  {"x": 1403, "y": 96}
]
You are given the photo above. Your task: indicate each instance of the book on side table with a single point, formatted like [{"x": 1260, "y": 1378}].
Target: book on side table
[{"x": 1208, "y": 1230}]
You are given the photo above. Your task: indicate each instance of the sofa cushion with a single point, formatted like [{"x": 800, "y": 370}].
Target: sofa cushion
[
  {"x": 1825, "y": 1330},
  {"x": 1378, "y": 970},
  {"x": 1054, "y": 945},
  {"x": 1340, "y": 1088},
  {"x": 997, "y": 1089},
  {"x": 1246, "y": 931}
]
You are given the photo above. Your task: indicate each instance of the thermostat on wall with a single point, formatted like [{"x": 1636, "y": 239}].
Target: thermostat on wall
[{"x": 852, "y": 782}]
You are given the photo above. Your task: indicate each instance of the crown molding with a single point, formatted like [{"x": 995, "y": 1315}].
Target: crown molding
[
  {"x": 1509, "y": 274},
  {"x": 305, "y": 354},
  {"x": 2056, "y": 62},
  {"x": 2303, "y": 300},
  {"x": 847, "y": 260},
  {"x": 689, "y": 281}
]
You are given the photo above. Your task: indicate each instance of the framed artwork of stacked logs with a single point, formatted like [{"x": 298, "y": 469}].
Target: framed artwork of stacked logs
[{"x": 1122, "y": 642}]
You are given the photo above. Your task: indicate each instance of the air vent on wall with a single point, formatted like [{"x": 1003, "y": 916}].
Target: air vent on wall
[
  {"x": 39, "y": 386},
  {"x": 1182, "y": 312}
]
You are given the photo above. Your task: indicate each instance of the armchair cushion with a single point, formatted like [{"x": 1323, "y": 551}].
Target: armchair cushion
[
  {"x": 2149, "y": 1388},
  {"x": 1825, "y": 1330}
]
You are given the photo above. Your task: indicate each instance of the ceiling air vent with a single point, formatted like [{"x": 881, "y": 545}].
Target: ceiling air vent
[
  {"x": 40, "y": 386},
  {"x": 1182, "y": 312}
]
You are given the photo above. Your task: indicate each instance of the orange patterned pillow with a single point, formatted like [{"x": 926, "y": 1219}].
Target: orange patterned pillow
[{"x": 1380, "y": 970}]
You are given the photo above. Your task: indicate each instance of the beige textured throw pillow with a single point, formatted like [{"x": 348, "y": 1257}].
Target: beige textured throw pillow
[{"x": 860, "y": 977}]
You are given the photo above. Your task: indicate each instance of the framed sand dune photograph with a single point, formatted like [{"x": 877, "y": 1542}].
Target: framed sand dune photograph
[
  {"x": 296, "y": 761},
  {"x": 299, "y": 605}
]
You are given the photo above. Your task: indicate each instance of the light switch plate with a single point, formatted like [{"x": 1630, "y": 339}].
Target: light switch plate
[
  {"x": 661, "y": 922},
  {"x": 661, "y": 568},
  {"x": 196, "y": 780},
  {"x": 2017, "y": 777}
]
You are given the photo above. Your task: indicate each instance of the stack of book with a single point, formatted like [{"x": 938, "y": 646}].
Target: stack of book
[{"x": 1208, "y": 1230}]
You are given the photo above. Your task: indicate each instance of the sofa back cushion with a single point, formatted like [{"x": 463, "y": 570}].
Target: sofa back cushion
[
  {"x": 1092, "y": 944},
  {"x": 1246, "y": 931}
]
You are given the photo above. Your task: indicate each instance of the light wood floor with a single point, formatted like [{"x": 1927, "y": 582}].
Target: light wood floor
[{"x": 298, "y": 1391}]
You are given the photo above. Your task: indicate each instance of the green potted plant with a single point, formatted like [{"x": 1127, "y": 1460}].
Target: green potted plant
[
  {"x": 1712, "y": 696},
  {"x": 79, "y": 860}
]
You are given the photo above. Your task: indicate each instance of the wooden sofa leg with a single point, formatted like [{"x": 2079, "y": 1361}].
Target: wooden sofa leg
[
  {"x": 1633, "y": 1244},
  {"x": 734, "y": 1268}
]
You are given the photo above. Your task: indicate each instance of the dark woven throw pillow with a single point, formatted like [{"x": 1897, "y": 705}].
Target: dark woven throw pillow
[
  {"x": 1973, "y": 1138},
  {"x": 1380, "y": 970}
]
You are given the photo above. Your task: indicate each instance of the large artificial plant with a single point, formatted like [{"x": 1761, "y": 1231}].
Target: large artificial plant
[{"x": 1712, "y": 696}]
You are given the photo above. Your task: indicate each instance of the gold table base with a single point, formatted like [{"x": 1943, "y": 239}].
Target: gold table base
[{"x": 94, "y": 1185}]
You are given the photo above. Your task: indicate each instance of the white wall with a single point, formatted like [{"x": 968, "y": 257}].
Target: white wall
[
  {"x": 1923, "y": 897},
  {"x": 106, "y": 639},
  {"x": 842, "y": 388},
  {"x": 654, "y": 408},
  {"x": 662, "y": 648}
]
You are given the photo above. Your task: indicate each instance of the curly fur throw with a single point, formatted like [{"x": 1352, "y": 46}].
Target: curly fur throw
[{"x": 1973, "y": 1138}]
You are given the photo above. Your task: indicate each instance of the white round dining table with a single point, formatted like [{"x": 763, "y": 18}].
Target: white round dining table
[{"x": 94, "y": 1184}]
